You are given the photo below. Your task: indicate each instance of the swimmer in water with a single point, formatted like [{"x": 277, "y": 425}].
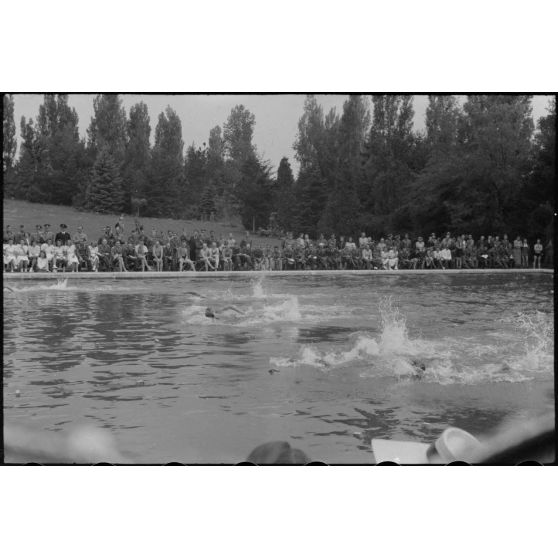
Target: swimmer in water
[
  {"x": 209, "y": 312},
  {"x": 419, "y": 370},
  {"x": 6, "y": 288},
  {"x": 192, "y": 293}
]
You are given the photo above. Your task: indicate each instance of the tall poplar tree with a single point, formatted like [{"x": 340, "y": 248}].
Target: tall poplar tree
[
  {"x": 166, "y": 186},
  {"x": 137, "y": 159},
  {"x": 9, "y": 144}
]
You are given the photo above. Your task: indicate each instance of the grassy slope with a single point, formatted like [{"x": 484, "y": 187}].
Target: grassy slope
[{"x": 16, "y": 213}]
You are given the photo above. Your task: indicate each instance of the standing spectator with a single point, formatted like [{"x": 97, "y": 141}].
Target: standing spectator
[
  {"x": 538, "y": 253},
  {"x": 80, "y": 241},
  {"x": 38, "y": 235},
  {"x": 48, "y": 234},
  {"x": 63, "y": 235},
  {"x": 9, "y": 234},
  {"x": 21, "y": 235}
]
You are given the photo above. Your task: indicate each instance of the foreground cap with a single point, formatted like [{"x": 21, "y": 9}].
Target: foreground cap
[
  {"x": 453, "y": 444},
  {"x": 276, "y": 453}
]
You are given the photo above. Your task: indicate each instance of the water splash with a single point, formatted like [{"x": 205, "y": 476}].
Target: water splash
[
  {"x": 257, "y": 288},
  {"x": 60, "y": 285},
  {"x": 444, "y": 361}
]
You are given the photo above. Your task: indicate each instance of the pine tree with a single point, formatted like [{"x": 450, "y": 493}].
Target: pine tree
[
  {"x": 104, "y": 192},
  {"x": 207, "y": 204}
]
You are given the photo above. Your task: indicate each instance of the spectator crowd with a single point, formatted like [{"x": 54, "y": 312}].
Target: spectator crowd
[{"x": 43, "y": 250}]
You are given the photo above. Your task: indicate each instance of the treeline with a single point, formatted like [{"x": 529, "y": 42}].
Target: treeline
[{"x": 478, "y": 168}]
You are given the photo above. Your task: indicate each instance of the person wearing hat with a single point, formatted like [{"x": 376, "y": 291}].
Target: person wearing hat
[
  {"x": 63, "y": 235},
  {"x": 37, "y": 236},
  {"x": 48, "y": 234}
]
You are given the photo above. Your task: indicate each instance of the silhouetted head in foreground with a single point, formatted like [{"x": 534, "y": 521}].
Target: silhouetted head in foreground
[{"x": 276, "y": 453}]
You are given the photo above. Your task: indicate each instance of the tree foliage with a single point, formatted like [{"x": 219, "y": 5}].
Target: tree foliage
[{"x": 104, "y": 192}]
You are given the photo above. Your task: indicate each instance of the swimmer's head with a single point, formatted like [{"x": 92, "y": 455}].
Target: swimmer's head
[{"x": 209, "y": 313}]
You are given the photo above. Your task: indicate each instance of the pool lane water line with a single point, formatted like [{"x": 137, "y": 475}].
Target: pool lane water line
[{"x": 189, "y": 274}]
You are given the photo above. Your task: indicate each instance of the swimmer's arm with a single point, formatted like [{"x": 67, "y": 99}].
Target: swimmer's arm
[
  {"x": 9, "y": 288},
  {"x": 233, "y": 308}
]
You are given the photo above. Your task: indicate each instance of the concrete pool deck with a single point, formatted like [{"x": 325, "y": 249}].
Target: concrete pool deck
[{"x": 15, "y": 276}]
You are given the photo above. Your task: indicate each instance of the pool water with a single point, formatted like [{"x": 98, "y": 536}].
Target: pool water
[{"x": 324, "y": 362}]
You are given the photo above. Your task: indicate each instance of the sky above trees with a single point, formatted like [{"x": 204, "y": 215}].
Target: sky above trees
[{"x": 276, "y": 115}]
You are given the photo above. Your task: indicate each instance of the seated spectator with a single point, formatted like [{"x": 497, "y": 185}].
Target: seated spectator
[
  {"x": 537, "y": 254},
  {"x": 105, "y": 255},
  {"x": 129, "y": 255},
  {"x": 525, "y": 253},
  {"x": 277, "y": 259},
  {"x": 42, "y": 262},
  {"x": 299, "y": 255},
  {"x": 257, "y": 254},
  {"x": 93, "y": 252},
  {"x": 205, "y": 257},
  {"x": 366, "y": 256},
  {"x": 72, "y": 260},
  {"x": 117, "y": 254},
  {"x": 446, "y": 257},
  {"x": 227, "y": 254},
  {"x": 244, "y": 256},
  {"x": 142, "y": 251},
  {"x": 158, "y": 254},
  {"x": 184, "y": 257},
  {"x": 214, "y": 255},
  {"x": 48, "y": 248},
  {"x": 34, "y": 252},
  {"x": 22, "y": 255},
  {"x": 393, "y": 259},
  {"x": 10, "y": 257},
  {"x": 59, "y": 256},
  {"x": 289, "y": 260},
  {"x": 169, "y": 256},
  {"x": 429, "y": 258}
]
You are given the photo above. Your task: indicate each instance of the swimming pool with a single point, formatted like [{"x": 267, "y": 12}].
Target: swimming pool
[{"x": 324, "y": 362}]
